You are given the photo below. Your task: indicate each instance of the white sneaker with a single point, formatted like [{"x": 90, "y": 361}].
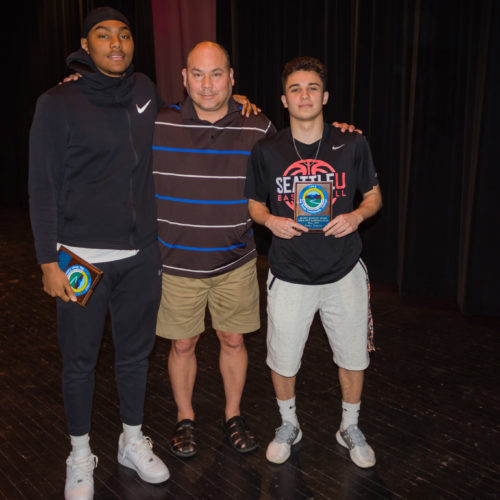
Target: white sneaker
[
  {"x": 139, "y": 456},
  {"x": 279, "y": 449},
  {"x": 361, "y": 452},
  {"x": 80, "y": 477}
]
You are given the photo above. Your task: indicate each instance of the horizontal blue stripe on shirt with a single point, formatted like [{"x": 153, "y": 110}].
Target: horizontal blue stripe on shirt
[
  {"x": 203, "y": 151},
  {"x": 204, "y": 249},
  {"x": 202, "y": 202}
]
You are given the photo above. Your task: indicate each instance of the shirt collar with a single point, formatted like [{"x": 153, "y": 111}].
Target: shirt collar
[{"x": 188, "y": 111}]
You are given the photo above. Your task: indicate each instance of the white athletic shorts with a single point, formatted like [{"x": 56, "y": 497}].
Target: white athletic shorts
[{"x": 343, "y": 308}]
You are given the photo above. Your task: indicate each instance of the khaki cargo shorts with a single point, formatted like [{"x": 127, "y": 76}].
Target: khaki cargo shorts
[{"x": 232, "y": 299}]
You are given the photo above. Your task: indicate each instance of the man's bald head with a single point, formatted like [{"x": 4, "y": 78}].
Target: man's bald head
[
  {"x": 202, "y": 46},
  {"x": 208, "y": 79}
]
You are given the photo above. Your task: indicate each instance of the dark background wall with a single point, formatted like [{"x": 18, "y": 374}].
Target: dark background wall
[{"x": 418, "y": 76}]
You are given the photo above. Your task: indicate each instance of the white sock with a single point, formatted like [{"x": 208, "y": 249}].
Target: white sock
[
  {"x": 132, "y": 432},
  {"x": 80, "y": 446},
  {"x": 287, "y": 411},
  {"x": 350, "y": 414}
]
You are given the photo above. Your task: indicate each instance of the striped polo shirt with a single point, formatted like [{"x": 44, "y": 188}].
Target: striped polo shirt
[{"x": 200, "y": 169}]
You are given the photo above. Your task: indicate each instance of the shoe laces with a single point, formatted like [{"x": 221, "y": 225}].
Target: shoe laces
[
  {"x": 82, "y": 469},
  {"x": 286, "y": 433},
  {"x": 143, "y": 449},
  {"x": 355, "y": 436}
]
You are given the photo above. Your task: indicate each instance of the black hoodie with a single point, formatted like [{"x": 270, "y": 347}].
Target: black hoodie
[{"x": 90, "y": 173}]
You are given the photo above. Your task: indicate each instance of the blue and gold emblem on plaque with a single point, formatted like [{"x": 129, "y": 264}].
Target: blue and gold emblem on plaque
[
  {"x": 313, "y": 204},
  {"x": 83, "y": 277},
  {"x": 313, "y": 199},
  {"x": 79, "y": 279}
]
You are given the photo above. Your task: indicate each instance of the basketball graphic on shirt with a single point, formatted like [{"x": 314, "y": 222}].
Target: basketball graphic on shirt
[{"x": 308, "y": 168}]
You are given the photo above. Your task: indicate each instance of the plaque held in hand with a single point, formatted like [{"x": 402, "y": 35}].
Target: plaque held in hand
[
  {"x": 313, "y": 204},
  {"x": 83, "y": 276}
]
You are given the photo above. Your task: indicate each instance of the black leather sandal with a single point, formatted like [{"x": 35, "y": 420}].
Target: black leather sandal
[
  {"x": 239, "y": 435},
  {"x": 183, "y": 444}
]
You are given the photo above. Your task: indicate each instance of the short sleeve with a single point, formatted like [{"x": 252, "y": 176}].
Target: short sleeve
[
  {"x": 256, "y": 186},
  {"x": 367, "y": 177}
]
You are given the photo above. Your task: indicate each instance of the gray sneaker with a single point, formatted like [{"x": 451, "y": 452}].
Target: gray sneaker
[
  {"x": 279, "y": 449},
  {"x": 361, "y": 452}
]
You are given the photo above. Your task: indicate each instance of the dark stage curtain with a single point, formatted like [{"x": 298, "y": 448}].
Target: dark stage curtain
[{"x": 420, "y": 78}]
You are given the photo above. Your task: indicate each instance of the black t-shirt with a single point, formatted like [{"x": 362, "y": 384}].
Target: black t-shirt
[{"x": 273, "y": 167}]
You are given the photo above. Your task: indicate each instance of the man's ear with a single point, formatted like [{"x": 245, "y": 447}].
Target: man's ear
[
  {"x": 326, "y": 95},
  {"x": 283, "y": 100},
  {"x": 184, "y": 76},
  {"x": 231, "y": 75},
  {"x": 84, "y": 44}
]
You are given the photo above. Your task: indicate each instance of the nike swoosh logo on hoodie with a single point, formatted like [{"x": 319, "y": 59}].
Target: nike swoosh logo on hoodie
[{"x": 141, "y": 109}]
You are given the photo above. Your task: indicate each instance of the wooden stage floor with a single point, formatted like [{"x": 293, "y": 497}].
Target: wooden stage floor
[{"x": 430, "y": 407}]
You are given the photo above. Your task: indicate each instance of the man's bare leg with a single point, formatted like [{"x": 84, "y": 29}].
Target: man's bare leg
[
  {"x": 182, "y": 372},
  {"x": 279, "y": 449},
  {"x": 233, "y": 362},
  {"x": 349, "y": 435},
  {"x": 351, "y": 385},
  {"x": 284, "y": 387}
]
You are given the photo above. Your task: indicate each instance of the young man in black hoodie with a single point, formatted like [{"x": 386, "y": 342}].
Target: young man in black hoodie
[{"x": 91, "y": 189}]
